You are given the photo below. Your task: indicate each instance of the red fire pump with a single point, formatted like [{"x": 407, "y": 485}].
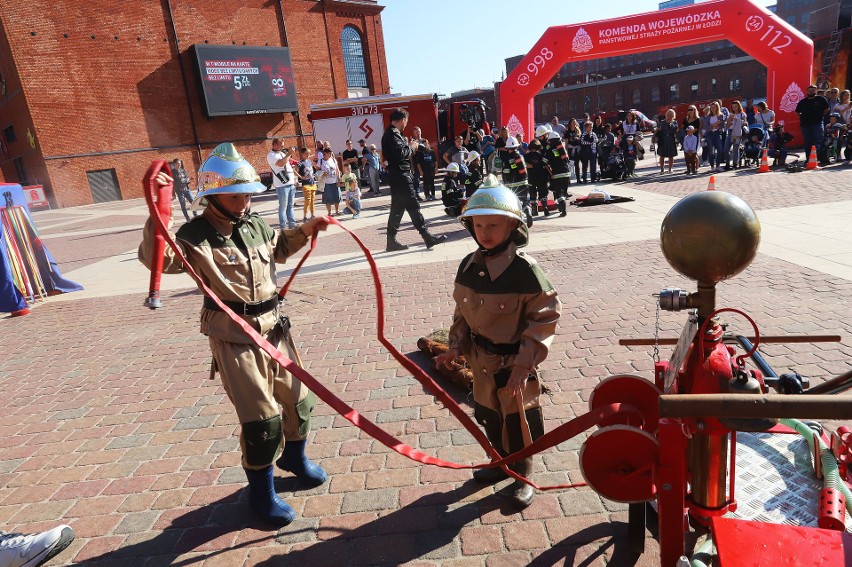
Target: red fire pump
[{"x": 682, "y": 454}]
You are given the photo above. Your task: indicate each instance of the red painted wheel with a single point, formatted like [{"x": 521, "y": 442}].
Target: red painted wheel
[
  {"x": 628, "y": 389},
  {"x": 618, "y": 463}
]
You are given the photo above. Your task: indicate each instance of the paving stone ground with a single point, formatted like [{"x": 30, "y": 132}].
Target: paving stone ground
[{"x": 109, "y": 421}]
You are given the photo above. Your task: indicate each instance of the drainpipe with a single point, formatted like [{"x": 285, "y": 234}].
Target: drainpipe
[
  {"x": 296, "y": 115},
  {"x": 183, "y": 80}
]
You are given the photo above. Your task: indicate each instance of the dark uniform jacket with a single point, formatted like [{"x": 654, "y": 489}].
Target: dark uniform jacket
[{"x": 396, "y": 151}]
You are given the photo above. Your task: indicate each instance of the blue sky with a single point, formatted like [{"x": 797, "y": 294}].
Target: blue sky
[{"x": 451, "y": 45}]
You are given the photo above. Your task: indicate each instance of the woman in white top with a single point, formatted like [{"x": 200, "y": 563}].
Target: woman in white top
[
  {"x": 736, "y": 121},
  {"x": 715, "y": 124},
  {"x": 765, "y": 117},
  {"x": 844, "y": 107},
  {"x": 330, "y": 192}
]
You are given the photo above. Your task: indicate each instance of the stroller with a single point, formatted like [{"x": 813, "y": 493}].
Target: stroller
[
  {"x": 615, "y": 168},
  {"x": 753, "y": 147}
]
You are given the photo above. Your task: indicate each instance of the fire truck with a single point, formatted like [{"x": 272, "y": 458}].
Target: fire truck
[{"x": 367, "y": 118}]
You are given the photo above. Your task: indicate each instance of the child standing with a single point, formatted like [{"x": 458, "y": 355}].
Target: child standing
[
  {"x": 589, "y": 152},
  {"x": 352, "y": 199},
  {"x": 305, "y": 171},
  {"x": 235, "y": 252},
  {"x": 690, "y": 150},
  {"x": 630, "y": 154},
  {"x": 330, "y": 173},
  {"x": 428, "y": 168},
  {"x": 538, "y": 177},
  {"x": 504, "y": 322}
]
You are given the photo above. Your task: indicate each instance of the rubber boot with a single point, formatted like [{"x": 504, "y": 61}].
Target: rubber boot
[
  {"x": 521, "y": 493},
  {"x": 490, "y": 475},
  {"x": 295, "y": 461},
  {"x": 563, "y": 208},
  {"x": 264, "y": 501},
  {"x": 395, "y": 245},
  {"x": 432, "y": 240},
  {"x": 528, "y": 216},
  {"x": 544, "y": 207}
]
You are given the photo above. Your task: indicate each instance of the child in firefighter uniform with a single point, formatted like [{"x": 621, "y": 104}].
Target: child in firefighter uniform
[
  {"x": 504, "y": 322},
  {"x": 557, "y": 163},
  {"x": 514, "y": 176},
  {"x": 235, "y": 253}
]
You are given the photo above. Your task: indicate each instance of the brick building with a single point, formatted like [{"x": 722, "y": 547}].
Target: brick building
[
  {"x": 654, "y": 81},
  {"x": 92, "y": 91}
]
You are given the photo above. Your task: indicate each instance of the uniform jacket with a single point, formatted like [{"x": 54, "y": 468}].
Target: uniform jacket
[
  {"x": 514, "y": 169},
  {"x": 234, "y": 272},
  {"x": 507, "y": 299},
  {"x": 395, "y": 151}
]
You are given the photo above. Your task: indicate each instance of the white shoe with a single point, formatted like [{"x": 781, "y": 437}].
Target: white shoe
[{"x": 20, "y": 550}]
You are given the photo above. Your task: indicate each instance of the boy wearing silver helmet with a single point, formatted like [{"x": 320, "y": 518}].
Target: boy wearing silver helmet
[
  {"x": 235, "y": 251},
  {"x": 504, "y": 322}
]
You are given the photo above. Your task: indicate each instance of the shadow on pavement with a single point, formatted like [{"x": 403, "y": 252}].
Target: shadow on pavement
[{"x": 426, "y": 529}]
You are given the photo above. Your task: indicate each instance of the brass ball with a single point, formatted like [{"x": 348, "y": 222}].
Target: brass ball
[{"x": 710, "y": 236}]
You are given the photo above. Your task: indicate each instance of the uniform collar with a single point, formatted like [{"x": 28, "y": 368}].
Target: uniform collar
[
  {"x": 223, "y": 226},
  {"x": 495, "y": 265}
]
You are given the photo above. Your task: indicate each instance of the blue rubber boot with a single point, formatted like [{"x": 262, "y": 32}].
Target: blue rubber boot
[
  {"x": 294, "y": 460},
  {"x": 264, "y": 501}
]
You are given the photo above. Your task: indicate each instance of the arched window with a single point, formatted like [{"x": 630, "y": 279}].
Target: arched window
[
  {"x": 655, "y": 94},
  {"x": 572, "y": 105},
  {"x": 557, "y": 107},
  {"x": 601, "y": 102},
  {"x": 353, "y": 58},
  {"x": 637, "y": 97},
  {"x": 545, "y": 110},
  {"x": 674, "y": 91},
  {"x": 618, "y": 99},
  {"x": 760, "y": 82},
  {"x": 693, "y": 88},
  {"x": 734, "y": 84},
  {"x": 713, "y": 85}
]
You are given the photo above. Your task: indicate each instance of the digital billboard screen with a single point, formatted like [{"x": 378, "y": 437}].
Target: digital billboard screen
[{"x": 245, "y": 79}]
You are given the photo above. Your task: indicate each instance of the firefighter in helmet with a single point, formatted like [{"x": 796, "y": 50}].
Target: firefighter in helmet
[
  {"x": 235, "y": 252},
  {"x": 557, "y": 163},
  {"x": 506, "y": 312},
  {"x": 514, "y": 176}
]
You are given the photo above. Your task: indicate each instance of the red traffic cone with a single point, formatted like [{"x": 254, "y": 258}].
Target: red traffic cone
[
  {"x": 712, "y": 185},
  {"x": 812, "y": 161},
  {"x": 764, "y": 162}
]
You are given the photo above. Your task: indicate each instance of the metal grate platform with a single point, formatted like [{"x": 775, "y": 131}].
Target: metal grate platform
[{"x": 775, "y": 481}]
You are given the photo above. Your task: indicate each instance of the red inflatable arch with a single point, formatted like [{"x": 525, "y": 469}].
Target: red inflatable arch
[{"x": 787, "y": 54}]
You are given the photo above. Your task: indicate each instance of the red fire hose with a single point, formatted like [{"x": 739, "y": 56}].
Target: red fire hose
[
  {"x": 159, "y": 199},
  {"x": 161, "y": 214}
]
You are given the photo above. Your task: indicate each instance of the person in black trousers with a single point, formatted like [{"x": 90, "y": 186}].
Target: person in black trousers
[{"x": 397, "y": 153}]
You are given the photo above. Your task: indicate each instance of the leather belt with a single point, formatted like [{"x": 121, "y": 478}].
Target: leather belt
[
  {"x": 494, "y": 348},
  {"x": 250, "y": 309}
]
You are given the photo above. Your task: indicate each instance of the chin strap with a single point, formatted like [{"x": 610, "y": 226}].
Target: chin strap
[{"x": 211, "y": 200}]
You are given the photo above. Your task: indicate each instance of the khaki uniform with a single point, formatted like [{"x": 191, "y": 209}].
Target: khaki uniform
[
  {"x": 507, "y": 301},
  {"x": 241, "y": 268}
]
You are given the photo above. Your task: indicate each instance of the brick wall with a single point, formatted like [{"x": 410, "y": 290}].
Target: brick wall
[{"x": 104, "y": 78}]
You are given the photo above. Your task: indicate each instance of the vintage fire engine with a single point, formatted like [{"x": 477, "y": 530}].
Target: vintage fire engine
[
  {"x": 366, "y": 118},
  {"x": 707, "y": 408}
]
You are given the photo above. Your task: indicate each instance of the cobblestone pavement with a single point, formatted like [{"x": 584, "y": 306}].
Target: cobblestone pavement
[{"x": 109, "y": 421}]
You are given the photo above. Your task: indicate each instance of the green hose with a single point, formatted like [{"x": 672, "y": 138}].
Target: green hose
[
  {"x": 830, "y": 471},
  {"x": 703, "y": 555}
]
